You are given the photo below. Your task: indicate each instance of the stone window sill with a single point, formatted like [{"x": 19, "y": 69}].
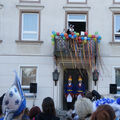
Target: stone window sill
[
  {"x": 76, "y": 7},
  {"x": 114, "y": 43},
  {"x": 30, "y": 5},
  {"x": 28, "y": 42}
]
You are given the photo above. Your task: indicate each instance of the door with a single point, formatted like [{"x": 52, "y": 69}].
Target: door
[{"x": 74, "y": 73}]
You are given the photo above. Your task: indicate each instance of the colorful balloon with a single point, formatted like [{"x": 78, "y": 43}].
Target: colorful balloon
[
  {"x": 88, "y": 39},
  {"x": 89, "y": 36},
  {"x": 52, "y": 36},
  {"x": 58, "y": 33},
  {"x": 86, "y": 33},
  {"x": 70, "y": 36},
  {"x": 62, "y": 35},
  {"x": 82, "y": 38},
  {"x": 74, "y": 36}
]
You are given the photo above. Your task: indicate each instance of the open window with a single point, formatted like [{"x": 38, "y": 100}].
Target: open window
[
  {"x": 117, "y": 27},
  {"x": 78, "y": 21}
]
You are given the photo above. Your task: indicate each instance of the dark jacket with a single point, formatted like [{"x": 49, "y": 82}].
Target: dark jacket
[{"x": 43, "y": 116}]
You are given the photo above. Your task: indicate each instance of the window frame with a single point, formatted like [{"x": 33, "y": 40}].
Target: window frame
[
  {"x": 75, "y": 12},
  {"x": 21, "y": 24},
  {"x": 114, "y": 76},
  {"x": 27, "y": 87},
  {"x": 77, "y": 2},
  {"x": 114, "y": 2},
  {"x": 23, "y": 1},
  {"x": 113, "y": 28}
]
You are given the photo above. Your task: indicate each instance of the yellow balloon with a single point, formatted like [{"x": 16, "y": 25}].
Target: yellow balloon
[
  {"x": 52, "y": 36},
  {"x": 94, "y": 39},
  {"x": 90, "y": 36},
  {"x": 77, "y": 34}
]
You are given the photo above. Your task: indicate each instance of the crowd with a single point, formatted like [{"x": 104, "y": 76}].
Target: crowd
[{"x": 13, "y": 107}]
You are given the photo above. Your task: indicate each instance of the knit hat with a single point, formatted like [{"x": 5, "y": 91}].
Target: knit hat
[
  {"x": 83, "y": 107},
  {"x": 14, "y": 101}
]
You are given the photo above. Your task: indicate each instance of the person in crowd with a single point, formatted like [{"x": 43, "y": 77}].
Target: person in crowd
[
  {"x": 34, "y": 111},
  {"x": 1, "y": 100},
  {"x": 84, "y": 108},
  {"x": 49, "y": 112},
  {"x": 26, "y": 114},
  {"x": 104, "y": 112},
  {"x": 69, "y": 93},
  {"x": 14, "y": 102}
]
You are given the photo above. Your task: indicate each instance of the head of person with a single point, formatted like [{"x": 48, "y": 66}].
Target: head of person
[
  {"x": 34, "y": 111},
  {"x": 80, "y": 79},
  {"x": 83, "y": 108},
  {"x": 14, "y": 102},
  {"x": 70, "y": 79},
  {"x": 103, "y": 112},
  {"x": 1, "y": 100},
  {"x": 48, "y": 106}
]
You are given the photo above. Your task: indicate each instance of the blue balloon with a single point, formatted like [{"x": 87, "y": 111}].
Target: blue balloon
[
  {"x": 88, "y": 39},
  {"x": 53, "y": 32},
  {"x": 74, "y": 36},
  {"x": 70, "y": 36},
  {"x": 99, "y": 37},
  {"x": 62, "y": 35},
  {"x": 118, "y": 100},
  {"x": 82, "y": 38},
  {"x": 98, "y": 41}
]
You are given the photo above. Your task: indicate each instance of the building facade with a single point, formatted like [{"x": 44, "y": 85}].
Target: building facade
[{"x": 25, "y": 43}]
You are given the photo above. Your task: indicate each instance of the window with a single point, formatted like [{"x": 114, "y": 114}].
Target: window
[
  {"x": 117, "y": 78},
  {"x": 29, "y": 0},
  {"x": 30, "y": 26},
  {"x": 117, "y": 27},
  {"x": 28, "y": 75},
  {"x": 78, "y": 21},
  {"x": 78, "y": 1},
  {"x": 117, "y": 1}
]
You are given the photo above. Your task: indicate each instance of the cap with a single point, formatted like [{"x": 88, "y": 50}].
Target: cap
[{"x": 70, "y": 78}]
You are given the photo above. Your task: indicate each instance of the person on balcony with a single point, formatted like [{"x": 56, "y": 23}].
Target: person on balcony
[
  {"x": 69, "y": 92},
  {"x": 80, "y": 88}
]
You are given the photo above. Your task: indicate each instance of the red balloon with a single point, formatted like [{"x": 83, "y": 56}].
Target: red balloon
[
  {"x": 93, "y": 36},
  {"x": 67, "y": 37},
  {"x": 80, "y": 41},
  {"x": 72, "y": 33},
  {"x": 79, "y": 38},
  {"x": 58, "y": 33},
  {"x": 86, "y": 33}
]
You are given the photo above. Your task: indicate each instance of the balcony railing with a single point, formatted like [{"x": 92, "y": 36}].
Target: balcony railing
[{"x": 84, "y": 48}]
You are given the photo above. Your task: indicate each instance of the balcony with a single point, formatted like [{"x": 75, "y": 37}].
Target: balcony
[{"x": 80, "y": 48}]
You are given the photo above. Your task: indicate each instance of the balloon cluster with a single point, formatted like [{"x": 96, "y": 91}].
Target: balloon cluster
[
  {"x": 84, "y": 37},
  {"x": 104, "y": 101}
]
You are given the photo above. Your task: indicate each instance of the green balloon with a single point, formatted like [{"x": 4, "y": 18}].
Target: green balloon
[
  {"x": 63, "y": 38},
  {"x": 96, "y": 33}
]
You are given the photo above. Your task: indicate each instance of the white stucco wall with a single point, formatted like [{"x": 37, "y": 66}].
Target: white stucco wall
[{"x": 13, "y": 54}]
